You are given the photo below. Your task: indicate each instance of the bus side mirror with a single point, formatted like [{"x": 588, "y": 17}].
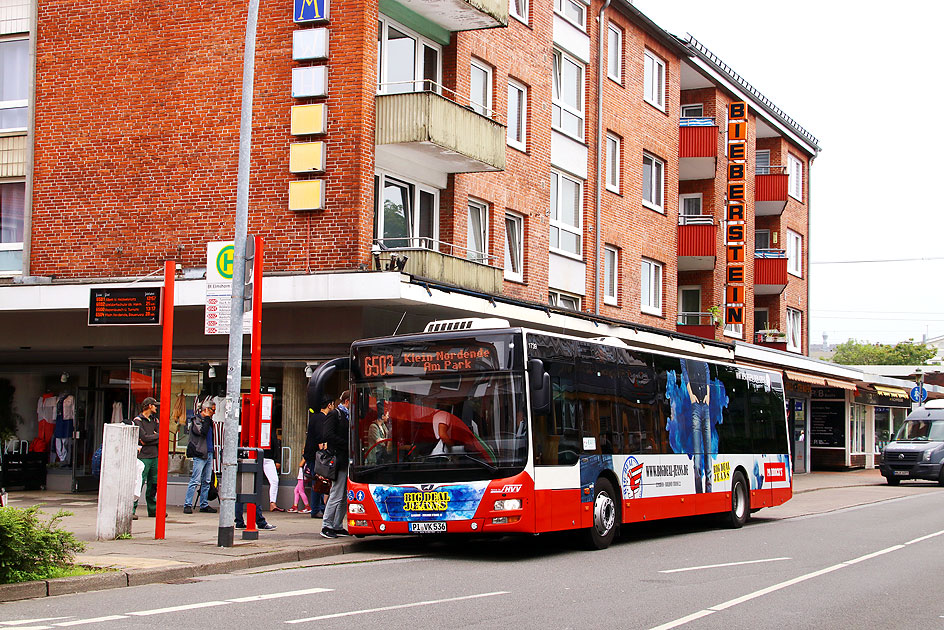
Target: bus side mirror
[{"x": 540, "y": 386}]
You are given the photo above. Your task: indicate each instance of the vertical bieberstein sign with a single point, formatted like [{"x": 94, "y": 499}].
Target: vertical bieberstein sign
[
  {"x": 219, "y": 283},
  {"x": 735, "y": 214}
]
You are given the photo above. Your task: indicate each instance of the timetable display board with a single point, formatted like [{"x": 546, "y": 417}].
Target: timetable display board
[{"x": 140, "y": 306}]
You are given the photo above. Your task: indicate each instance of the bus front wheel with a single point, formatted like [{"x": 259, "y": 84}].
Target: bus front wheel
[
  {"x": 605, "y": 509},
  {"x": 740, "y": 501}
]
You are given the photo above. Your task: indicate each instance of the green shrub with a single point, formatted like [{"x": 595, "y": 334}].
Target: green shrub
[{"x": 31, "y": 549}]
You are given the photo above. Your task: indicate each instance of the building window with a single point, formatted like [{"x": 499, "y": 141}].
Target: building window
[
  {"x": 794, "y": 330},
  {"x": 795, "y": 186},
  {"x": 610, "y": 267},
  {"x": 794, "y": 253},
  {"x": 564, "y": 300},
  {"x": 14, "y": 84},
  {"x": 514, "y": 246},
  {"x": 734, "y": 330},
  {"x": 654, "y": 80},
  {"x": 612, "y": 163},
  {"x": 614, "y": 53},
  {"x": 858, "y": 419},
  {"x": 651, "y": 287},
  {"x": 574, "y": 11},
  {"x": 517, "y": 115},
  {"x": 692, "y": 111},
  {"x": 567, "y": 108},
  {"x": 689, "y": 306},
  {"x": 652, "y": 182},
  {"x": 690, "y": 205},
  {"x": 405, "y": 213},
  {"x": 12, "y": 207},
  {"x": 407, "y": 62},
  {"x": 477, "y": 240},
  {"x": 480, "y": 90},
  {"x": 566, "y": 200},
  {"x": 519, "y": 10},
  {"x": 762, "y": 162},
  {"x": 761, "y": 239}
]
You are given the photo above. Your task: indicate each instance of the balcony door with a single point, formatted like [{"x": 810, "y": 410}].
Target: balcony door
[
  {"x": 407, "y": 62},
  {"x": 689, "y": 306},
  {"x": 405, "y": 213}
]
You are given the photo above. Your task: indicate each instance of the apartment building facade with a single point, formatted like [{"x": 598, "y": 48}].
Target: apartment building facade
[{"x": 556, "y": 163}]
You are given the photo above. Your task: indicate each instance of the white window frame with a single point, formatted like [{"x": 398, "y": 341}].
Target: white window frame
[
  {"x": 858, "y": 423},
  {"x": 580, "y": 7},
  {"x": 14, "y": 246},
  {"x": 653, "y": 74},
  {"x": 485, "y": 109},
  {"x": 758, "y": 169},
  {"x": 689, "y": 107},
  {"x": 555, "y": 222},
  {"x": 610, "y": 275},
  {"x": 473, "y": 253},
  {"x": 613, "y": 162},
  {"x": 415, "y": 188},
  {"x": 682, "y": 289},
  {"x": 19, "y": 103},
  {"x": 795, "y": 170},
  {"x": 652, "y": 271},
  {"x": 794, "y": 253},
  {"x": 419, "y": 59},
  {"x": 564, "y": 300},
  {"x": 513, "y": 10},
  {"x": 794, "y": 330},
  {"x": 656, "y": 183},
  {"x": 614, "y": 53},
  {"x": 514, "y": 259},
  {"x": 701, "y": 204},
  {"x": 735, "y": 331},
  {"x": 522, "y": 123},
  {"x": 557, "y": 77}
]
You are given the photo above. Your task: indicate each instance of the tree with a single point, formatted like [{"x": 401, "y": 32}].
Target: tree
[{"x": 908, "y": 352}]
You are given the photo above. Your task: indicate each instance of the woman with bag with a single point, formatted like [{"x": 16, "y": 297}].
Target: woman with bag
[{"x": 336, "y": 443}]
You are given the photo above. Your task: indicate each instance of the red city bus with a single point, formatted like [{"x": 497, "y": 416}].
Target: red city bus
[{"x": 507, "y": 430}]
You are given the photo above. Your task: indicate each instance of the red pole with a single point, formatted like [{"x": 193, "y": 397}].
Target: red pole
[
  {"x": 167, "y": 346},
  {"x": 255, "y": 366}
]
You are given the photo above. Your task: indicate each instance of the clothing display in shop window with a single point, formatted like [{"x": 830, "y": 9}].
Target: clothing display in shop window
[
  {"x": 46, "y": 423},
  {"x": 178, "y": 413},
  {"x": 117, "y": 413},
  {"x": 65, "y": 423}
]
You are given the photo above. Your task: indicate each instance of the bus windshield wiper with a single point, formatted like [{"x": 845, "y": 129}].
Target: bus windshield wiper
[
  {"x": 478, "y": 460},
  {"x": 375, "y": 468}
]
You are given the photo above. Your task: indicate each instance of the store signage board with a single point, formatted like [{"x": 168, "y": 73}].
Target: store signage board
[
  {"x": 219, "y": 288},
  {"x": 125, "y": 306}
]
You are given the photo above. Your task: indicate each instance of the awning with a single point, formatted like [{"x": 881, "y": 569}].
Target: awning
[
  {"x": 799, "y": 377},
  {"x": 841, "y": 384},
  {"x": 892, "y": 392}
]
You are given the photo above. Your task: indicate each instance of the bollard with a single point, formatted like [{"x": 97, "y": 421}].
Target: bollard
[{"x": 117, "y": 482}]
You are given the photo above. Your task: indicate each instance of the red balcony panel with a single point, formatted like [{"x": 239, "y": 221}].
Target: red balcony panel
[
  {"x": 705, "y": 331},
  {"x": 696, "y": 240},
  {"x": 770, "y": 276},
  {"x": 770, "y": 194},
  {"x": 776, "y": 345},
  {"x": 698, "y": 142}
]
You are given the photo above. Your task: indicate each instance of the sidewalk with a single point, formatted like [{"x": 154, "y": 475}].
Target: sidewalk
[{"x": 189, "y": 548}]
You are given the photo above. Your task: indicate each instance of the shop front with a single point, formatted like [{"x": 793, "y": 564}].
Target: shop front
[{"x": 879, "y": 412}]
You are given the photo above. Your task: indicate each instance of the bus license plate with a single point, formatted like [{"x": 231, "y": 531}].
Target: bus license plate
[
  {"x": 900, "y": 473},
  {"x": 427, "y": 528}
]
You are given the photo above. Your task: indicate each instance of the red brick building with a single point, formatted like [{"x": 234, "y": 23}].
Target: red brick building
[{"x": 555, "y": 163}]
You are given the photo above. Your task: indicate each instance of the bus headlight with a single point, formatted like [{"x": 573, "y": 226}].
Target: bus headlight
[
  {"x": 355, "y": 508},
  {"x": 507, "y": 504}
]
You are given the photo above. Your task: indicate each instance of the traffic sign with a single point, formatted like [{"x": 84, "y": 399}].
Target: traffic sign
[{"x": 919, "y": 394}]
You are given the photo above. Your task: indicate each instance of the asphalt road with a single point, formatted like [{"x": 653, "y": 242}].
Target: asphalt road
[{"x": 876, "y": 565}]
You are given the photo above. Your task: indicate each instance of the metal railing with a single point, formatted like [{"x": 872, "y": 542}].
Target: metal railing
[
  {"x": 695, "y": 319},
  {"x": 767, "y": 170},
  {"x": 696, "y": 121},
  {"x": 416, "y": 243},
  {"x": 696, "y": 219},
  {"x": 428, "y": 85},
  {"x": 770, "y": 253}
]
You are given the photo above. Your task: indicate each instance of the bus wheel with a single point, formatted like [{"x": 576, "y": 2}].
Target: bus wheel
[
  {"x": 740, "y": 501},
  {"x": 940, "y": 477},
  {"x": 601, "y": 534},
  {"x": 893, "y": 481}
]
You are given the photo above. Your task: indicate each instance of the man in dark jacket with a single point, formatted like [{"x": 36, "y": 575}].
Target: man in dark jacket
[
  {"x": 148, "y": 439},
  {"x": 200, "y": 448},
  {"x": 336, "y": 439},
  {"x": 314, "y": 437}
]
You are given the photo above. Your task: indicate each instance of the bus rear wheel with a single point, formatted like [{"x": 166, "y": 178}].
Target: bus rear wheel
[
  {"x": 740, "y": 501},
  {"x": 605, "y": 509}
]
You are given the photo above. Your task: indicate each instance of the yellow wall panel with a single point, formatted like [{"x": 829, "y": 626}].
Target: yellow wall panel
[
  {"x": 306, "y": 194},
  {"x": 306, "y": 157},
  {"x": 309, "y": 119}
]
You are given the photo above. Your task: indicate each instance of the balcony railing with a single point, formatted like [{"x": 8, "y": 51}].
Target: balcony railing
[
  {"x": 439, "y": 261},
  {"x": 698, "y": 148},
  {"x": 697, "y": 324},
  {"x": 696, "y": 219},
  {"x": 770, "y": 253},
  {"x": 697, "y": 247}
]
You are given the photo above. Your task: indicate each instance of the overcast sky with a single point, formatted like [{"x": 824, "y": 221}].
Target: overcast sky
[{"x": 861, "y": 77}]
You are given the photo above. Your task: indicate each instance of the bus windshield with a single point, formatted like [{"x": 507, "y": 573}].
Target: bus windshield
[
  {"x": 439, "y": 428},
  {"x": 921, "y": 431}
]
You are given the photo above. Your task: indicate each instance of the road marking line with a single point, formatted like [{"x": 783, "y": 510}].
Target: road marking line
[
  {"x": 911, "y": 542},
  {"x": 79, "y": 622},
  {"x": 21, "y": 622},
  {"x": 684, "y": 620},
  {"x": 726, "y": 564},
  {"x": 398, "y": 606},
  {"x": 872, "y": 555},
  {"x": 160, "y": 611},
  {"x": 257, "y": 598}
]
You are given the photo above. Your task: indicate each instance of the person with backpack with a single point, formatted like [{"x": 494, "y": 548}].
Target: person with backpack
[{"x": 200, "y": 448}]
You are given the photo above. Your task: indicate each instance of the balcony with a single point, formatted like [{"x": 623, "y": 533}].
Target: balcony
[
  {"x": 697, "y": 243},
  {"x": 427, "y": 259},
  {"x": 771, "y": 339},
  {"x": 770, "y": 191},
  {"x": 452, "y": 15},
  {"x": 434, "y": 133},
  {"x": 770, "y": 271},
  {"x": 696, "y": 324},
  {"x": 698, "y": 148}
]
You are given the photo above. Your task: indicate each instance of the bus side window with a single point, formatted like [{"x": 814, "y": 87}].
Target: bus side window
[{"x": 734, "y": 432}]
